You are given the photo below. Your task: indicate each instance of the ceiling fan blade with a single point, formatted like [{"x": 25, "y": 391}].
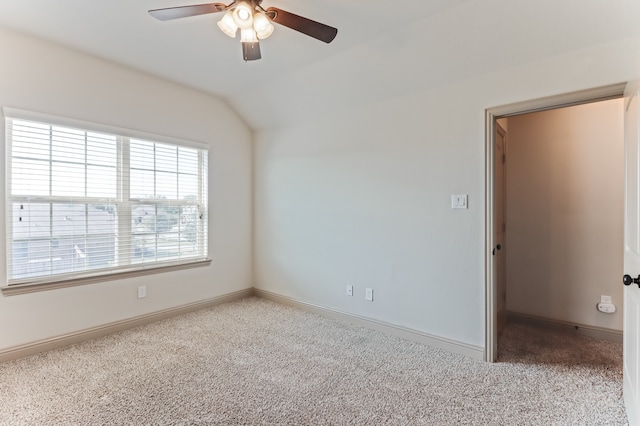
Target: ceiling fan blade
[
  {"x": 169, "y": 13},
  {"x": 306, "y": 26},
  {"x": 251, "y": 51}
]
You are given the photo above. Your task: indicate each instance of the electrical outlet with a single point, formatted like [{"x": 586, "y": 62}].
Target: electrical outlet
[
  {"x": 349, "y": 290},
  {"x": 605, "y": 299},
  {"x": 368, "y": 295},
  {"x": 142, "y": 291}
]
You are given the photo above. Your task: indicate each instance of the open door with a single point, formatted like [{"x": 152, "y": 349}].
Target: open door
[
  {"x": 499, "y": 228},
  {"x": 632, "y": 254},
  {"x": 491, "y": 239}
]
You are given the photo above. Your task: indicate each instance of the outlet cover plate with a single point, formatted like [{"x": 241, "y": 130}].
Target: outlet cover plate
[
  {"x": 605, "y": 299},
  {"x": 368, "y": 295},
  {"x": 142, "y": 291}
]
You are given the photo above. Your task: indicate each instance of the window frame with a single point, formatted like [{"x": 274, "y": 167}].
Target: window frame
[{"x": 123, "y": 201}]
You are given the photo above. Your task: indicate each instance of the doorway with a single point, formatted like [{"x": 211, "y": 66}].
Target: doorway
[{"x": 497, "y": 242}]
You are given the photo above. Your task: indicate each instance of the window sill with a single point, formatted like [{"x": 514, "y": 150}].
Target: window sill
[{"x": 12, "y": 290}]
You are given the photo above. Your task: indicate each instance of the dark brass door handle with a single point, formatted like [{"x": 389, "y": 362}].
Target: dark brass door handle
[{"x": 628, "y": 280}]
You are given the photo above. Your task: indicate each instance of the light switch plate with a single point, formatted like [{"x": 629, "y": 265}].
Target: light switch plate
[{"x": 459, "y": 201}]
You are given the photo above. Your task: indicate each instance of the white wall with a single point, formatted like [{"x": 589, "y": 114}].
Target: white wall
[
  {"x": 39, "y": 76},
  {"x": 362, "y": 196},
  {"x": 565, "y": 211}
]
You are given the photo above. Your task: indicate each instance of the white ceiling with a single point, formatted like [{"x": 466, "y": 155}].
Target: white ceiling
[{"x": 382, "y": 48}]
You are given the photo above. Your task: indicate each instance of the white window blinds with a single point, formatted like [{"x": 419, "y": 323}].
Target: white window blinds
[{"x": 83, "y": 203}]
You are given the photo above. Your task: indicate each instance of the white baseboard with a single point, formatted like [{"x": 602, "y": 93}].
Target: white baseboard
[
  {"x": 33, "y": 348},
  {"x": 392, "y": 329},
  {"x": 586, "y": 330},
  {"x": 114, "y": 327}
]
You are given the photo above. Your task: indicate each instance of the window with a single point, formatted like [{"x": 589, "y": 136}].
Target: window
[{"x": 84, "y": 202}]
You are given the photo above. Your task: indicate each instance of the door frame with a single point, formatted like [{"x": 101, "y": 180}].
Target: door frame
[{"x": 491, "y": 114}]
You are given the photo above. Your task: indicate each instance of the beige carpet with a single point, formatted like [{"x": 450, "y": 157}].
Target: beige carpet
[{"x": 254, "y": 362}]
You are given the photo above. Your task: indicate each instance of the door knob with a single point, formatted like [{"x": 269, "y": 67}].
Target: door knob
[{"x": 628, "y": 280}]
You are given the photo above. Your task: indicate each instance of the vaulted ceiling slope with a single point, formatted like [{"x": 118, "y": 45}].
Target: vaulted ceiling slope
[{"x": 383, "y": 49}]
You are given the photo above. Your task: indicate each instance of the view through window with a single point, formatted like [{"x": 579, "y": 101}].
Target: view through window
[{"x": 83, "y": 201}]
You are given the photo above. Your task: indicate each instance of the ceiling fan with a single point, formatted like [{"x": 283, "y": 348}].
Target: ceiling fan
[{"x": 253, "y": 21}]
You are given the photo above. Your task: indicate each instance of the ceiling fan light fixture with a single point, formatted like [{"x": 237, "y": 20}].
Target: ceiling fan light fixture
[
  {"x": 254, "y": 21},
  {"x": 227, "y": 25},
  {"x": 248, "y": 35},
  {"x": 243, "y": 15},
  {"x": 262, "y": 25}
]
